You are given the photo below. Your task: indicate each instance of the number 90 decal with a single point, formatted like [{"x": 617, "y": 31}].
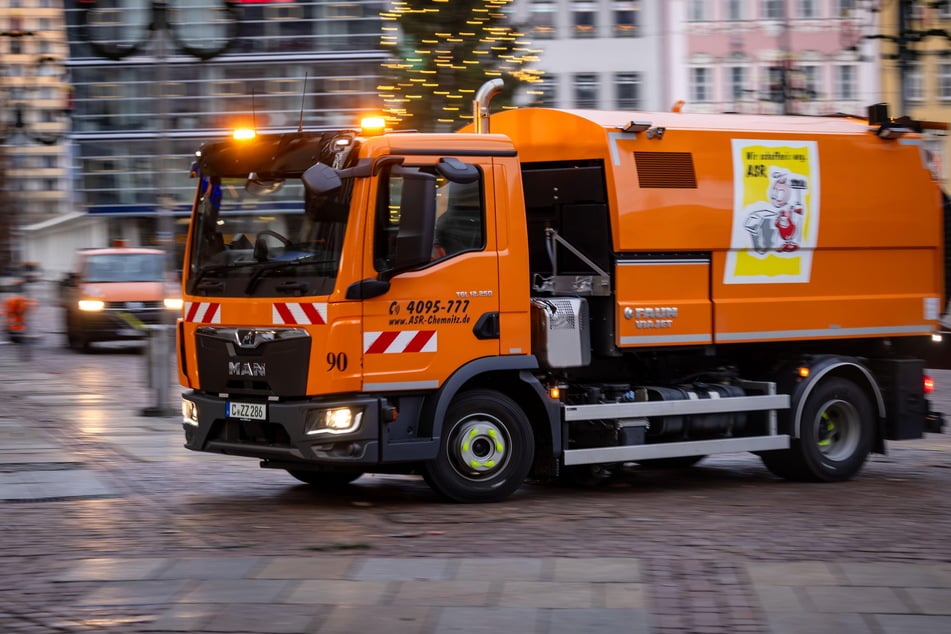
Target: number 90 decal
[{"x": 336, "y": 361}]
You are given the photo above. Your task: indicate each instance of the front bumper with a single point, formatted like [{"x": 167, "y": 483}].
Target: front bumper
[
  {"x": 112, "y": 325},
  {"x": 282, "y": 436}
]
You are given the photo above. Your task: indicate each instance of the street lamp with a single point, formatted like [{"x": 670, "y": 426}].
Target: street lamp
[{"x": 117, "y": 29}]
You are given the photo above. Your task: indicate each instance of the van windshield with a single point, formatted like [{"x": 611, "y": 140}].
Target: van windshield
[{"x": 125, "y": 267}]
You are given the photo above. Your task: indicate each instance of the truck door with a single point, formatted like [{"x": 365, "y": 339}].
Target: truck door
[{"x": 443, "y": 312}]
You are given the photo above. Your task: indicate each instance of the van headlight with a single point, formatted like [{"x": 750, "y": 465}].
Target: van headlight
[
  {"x": 173, "y": 303},
  {"x": 339, "y": 420},
  {"x": 92, "y": 305}
]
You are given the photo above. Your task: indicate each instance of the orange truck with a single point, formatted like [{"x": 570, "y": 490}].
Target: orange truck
[{"x": 562, "y": 294}]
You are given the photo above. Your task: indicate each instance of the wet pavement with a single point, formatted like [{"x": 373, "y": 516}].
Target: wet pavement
[{"x": 109, "y": 525}]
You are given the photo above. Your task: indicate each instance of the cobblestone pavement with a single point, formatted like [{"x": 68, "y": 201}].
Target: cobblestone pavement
[{"x": 109, "y": 525}]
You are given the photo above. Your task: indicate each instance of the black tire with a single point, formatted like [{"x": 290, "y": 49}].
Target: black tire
[
  {"x": 835, "y": 435},
  {"x": 485, "y": 451},
  {"x": 678, "y": 462},
  {"x": 328, "y": 481},
  {"x": 75, "y": 339}
]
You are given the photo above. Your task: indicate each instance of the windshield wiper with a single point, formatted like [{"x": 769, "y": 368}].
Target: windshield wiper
[
  {"x": 266, "y": 268},
  {"x": 218, "y": 268}
]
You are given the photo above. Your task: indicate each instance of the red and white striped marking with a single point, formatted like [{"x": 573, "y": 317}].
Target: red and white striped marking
[
  {"x": 399, "y": 341},
  {"x": 203, "y": 312},
  {"x": 298, "y": 313}
]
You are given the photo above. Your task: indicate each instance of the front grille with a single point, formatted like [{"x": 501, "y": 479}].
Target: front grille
[
  {"x": 151, "y": 312},
  {"x": 270, "y": 362},
  {"x": 135, "y": 305}
]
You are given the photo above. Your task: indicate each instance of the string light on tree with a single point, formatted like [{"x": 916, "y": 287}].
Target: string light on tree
[{"x": 441, "y": 52}]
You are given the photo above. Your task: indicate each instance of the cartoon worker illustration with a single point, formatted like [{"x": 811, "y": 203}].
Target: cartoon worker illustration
[
  {"x": 778, "y": 225},
  {"x": 789, "y": 212}
]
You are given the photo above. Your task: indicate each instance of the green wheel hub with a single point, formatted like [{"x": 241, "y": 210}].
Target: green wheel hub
[{"x": 479, "y": 446}]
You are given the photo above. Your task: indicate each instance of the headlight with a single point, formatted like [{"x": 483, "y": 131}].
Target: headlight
[
  {"x": 189, "y": 412},
  {"x": 340, "y": 420},
  {"x": 93, "y": 305},
  {"x": 173, "y": 303}
]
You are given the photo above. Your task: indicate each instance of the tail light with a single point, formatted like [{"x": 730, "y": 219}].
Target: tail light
[{"x": 928, "y": 384}]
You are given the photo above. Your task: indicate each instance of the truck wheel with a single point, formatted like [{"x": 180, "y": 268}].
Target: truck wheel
[
  {"x": 835, "y": 435},
  {"x": 325, "y": 480},
  {"x": 486, "y": 449}
]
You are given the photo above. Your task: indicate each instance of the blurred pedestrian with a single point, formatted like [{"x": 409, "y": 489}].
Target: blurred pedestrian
[{"x": 16, "y": 309}]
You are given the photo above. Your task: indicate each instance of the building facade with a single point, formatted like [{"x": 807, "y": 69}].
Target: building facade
[
  {"x": 34, "y": 104},
  {"x": 776, "y": 56},
  {"x": 146, "y": 98},
  {"x": 916, "y": 74},
  {"x": 602, "y": 54}
]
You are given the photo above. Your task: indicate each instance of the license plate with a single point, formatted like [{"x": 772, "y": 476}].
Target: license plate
[{"x": 247, "y": 411}]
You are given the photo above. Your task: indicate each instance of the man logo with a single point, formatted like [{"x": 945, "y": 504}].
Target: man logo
[
  {"x": 246, "y": 338},
  {"x": 244, "y": 368}
]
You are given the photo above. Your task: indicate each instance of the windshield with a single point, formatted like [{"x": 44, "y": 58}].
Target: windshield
[
  {"x": 126, "y": 267},
  {"x": 262, "y": 234}
]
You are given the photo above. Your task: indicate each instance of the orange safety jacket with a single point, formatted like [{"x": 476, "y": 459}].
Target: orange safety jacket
[{"x": 15, "y": 310}]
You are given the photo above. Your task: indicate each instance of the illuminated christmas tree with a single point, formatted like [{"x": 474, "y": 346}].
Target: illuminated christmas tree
[{"x": 441, "y": 52}]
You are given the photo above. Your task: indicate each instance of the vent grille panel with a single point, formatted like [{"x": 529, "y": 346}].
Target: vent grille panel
[{"x": 666, "y": 170}]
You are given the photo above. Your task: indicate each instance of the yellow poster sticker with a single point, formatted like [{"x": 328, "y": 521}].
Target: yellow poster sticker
[{"x": 775, "y": 212}]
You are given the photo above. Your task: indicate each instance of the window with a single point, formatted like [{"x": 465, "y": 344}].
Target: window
[
  {"x": 542, "y": 19},
  {"x": 944, "y": 10},
  {"x": 460, "y": 219},
  {"x": 737, "y": 75},
  {"x": 773, "y": 9},
  {"x": 807, "y": 8},
  {"x": 627, "y": 87},
  {"x": 944, "y": 82},
  {"x": 700, "y": 79},
  {"x": 845, "y": 87},
  {"x": 734, "y": 10},
  {"x": 626, "y": 18},
  {"x": 914, "y": 86},
  {"x": 586, "y": 90},
  {"x": 544, "y": 93},
  {"x": 776, "y": 79},
  {"x": 585, "y": 19},
  {"x": 698, "y": 11},
  {"x": 843, "y": 8},
  {"x": 809, "y": 82}
]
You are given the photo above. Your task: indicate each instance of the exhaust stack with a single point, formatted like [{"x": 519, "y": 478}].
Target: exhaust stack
[{"x": 480, "y": 105}]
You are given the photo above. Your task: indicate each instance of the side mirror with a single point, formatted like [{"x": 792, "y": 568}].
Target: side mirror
[
  {"x": 456, "y": 171},
  {"x": 320, "y": 179},
  {"x": 414, "y": 242}
]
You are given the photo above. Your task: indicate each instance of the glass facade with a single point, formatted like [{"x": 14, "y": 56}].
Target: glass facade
[{"x": 145, "y": 100}]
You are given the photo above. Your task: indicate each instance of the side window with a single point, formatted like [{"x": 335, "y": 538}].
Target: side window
[
  {"x": 387, "y": 222},
  {"x": 460, "y": 220}
]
